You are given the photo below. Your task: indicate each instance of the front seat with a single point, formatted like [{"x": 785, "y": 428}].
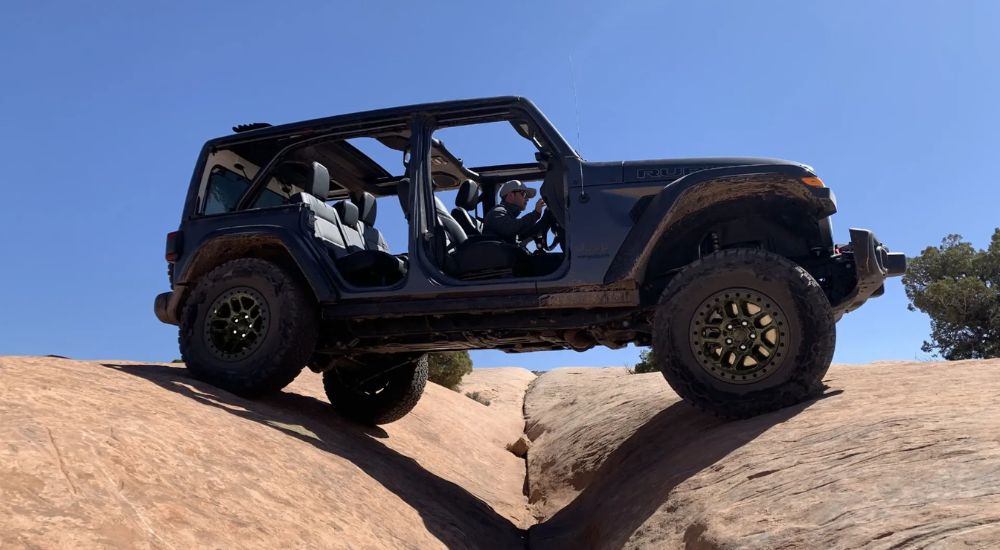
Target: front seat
[
  {"x": 459, "y": 255},
  {"x": 456, "y": 234},
  {"x": 475, "y": 256},
  {"x": 467, "y": 200},
  {"x": 403, "y": 194}
]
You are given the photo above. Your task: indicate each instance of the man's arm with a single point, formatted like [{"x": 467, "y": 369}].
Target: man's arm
[
  {"x": 527, "y": 222},
  {"x": 498, "y": 222}
]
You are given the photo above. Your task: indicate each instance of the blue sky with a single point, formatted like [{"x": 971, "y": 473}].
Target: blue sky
[{"x": 103, "y": 107}]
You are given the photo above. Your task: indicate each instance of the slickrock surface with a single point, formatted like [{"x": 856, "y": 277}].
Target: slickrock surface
[
  {"x": 126, "y": 455},
  {"x": 505, "y": 388},
  {"x": 139, "y": 456},
  {"x": 896, "y": 455}
]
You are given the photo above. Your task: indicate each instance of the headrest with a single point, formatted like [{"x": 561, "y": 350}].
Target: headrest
[
  {"x": 367, "y": 207},
  {"x": 320, "y": 181},
  {"x": 468, "y": 195},
  {"x": 313, "y": 177},
  {"x": 348, "y": 212},
  {"x": 403, "y": 192}
]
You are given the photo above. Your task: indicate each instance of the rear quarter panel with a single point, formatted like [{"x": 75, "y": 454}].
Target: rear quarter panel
[{"x": 208, "y": 240}]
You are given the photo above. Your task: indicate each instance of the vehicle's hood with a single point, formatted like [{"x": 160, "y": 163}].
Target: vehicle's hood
[{"x": 671, "y": 169}]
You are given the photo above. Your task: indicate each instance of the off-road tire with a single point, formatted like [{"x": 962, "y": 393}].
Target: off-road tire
[
  {"x": 803, "y": 347},
  {"x": 287, "y": 333},
  {"x": 380, "y": 401}
]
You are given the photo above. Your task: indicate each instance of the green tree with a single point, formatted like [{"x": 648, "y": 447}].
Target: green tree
[
  {"x": 959, "y": 288},
  {"x": 647, "y": 363},
  {"x": 448, "y": 367}
]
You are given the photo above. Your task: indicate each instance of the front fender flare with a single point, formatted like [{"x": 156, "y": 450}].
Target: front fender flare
[{"x": 687, "y": 196}]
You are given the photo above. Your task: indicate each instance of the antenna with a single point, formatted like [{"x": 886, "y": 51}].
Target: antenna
[
  {"x": 576, "y": 108},
  {"x": 576, "y": 100}
]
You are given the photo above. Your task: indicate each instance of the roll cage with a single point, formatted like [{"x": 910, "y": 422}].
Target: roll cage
[{"x": 325, "y": 140}]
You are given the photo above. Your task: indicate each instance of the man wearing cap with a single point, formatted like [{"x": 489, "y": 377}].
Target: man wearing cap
[{"x": 502, "y": 221}]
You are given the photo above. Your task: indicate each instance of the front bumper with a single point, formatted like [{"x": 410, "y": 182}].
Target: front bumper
[{"x": 873, "y": 264}]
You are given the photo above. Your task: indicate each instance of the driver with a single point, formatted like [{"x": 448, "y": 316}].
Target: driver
[{"x": 503, "y": 221}]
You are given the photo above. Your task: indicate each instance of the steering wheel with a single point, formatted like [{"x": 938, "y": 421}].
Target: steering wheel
[
  {"x": 541, "y": 236},
  {"x": 541, "y": 242},
  {"x": 559, "y": 234}
]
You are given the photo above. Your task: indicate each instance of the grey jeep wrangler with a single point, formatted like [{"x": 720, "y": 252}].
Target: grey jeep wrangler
[{"x": 726, "y": 266}]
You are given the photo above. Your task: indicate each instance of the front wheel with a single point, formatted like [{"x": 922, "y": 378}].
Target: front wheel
[
  {"x": 377, "y": 389},
  {"x": 742, "y": 332}
]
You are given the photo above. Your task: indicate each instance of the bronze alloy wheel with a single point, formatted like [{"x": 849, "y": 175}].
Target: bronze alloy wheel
[{"x": 738, "y": 335}]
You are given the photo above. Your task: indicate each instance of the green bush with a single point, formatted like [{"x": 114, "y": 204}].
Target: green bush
[
  {"x": 958, "y": 287},
  {"x": 448, "y": 367},
  {"x": 475, "y": 396},
  {"x": 647, "y": 363}
]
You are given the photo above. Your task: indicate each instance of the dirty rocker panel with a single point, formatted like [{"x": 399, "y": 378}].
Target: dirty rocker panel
[{"x": 483, "y": 304}]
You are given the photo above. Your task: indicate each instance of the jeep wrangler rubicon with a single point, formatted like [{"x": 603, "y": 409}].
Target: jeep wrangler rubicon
[{"x": 726, "y": 266}]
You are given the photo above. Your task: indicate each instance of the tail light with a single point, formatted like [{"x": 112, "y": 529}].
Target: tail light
[{"x": 174, "y": 245}]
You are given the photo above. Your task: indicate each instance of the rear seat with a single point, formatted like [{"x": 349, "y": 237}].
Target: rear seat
[
  {"x": 338, "y": 228},
  {"x": 326, "y": 224},
  {"x": 347, "y": 215},
  {"x": 367, "y": 209},
  {"x": 366, "y": 263}
]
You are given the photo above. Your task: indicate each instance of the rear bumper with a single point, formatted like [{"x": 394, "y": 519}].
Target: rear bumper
[
  {"x": 873, "y": 264},
  {"x": 163, "y": 307}
]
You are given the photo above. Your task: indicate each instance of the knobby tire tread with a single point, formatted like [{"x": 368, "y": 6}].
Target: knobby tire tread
[
  {"x": 282, "y": 359},
  {"x": 810, "y": 362}
]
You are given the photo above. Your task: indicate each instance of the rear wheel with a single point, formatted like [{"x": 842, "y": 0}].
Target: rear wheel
[
  {"x": 743, "y": 332},
  {"x": 248, "y": 328},
  {"x": 377, "y": 389}
]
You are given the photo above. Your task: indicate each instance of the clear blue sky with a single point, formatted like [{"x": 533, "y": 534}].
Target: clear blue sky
[{"x": 103, "y": 107}]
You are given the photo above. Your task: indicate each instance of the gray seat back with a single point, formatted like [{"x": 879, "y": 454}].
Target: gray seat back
[
  {"x": 453, "y": 230},
  {"x": 349, "y": 225},
  {"x": 466, "y": 200},
  {"x": 456, "y": 235},
  {"x": 326, "y": 223},
  {"x": 403, "y": 193},
  {"x": 368, "y": 209},
  {"x": 366, "y": 263}
]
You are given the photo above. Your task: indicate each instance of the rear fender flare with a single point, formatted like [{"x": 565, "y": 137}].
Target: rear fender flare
[{"x": 274, "y": 244}]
